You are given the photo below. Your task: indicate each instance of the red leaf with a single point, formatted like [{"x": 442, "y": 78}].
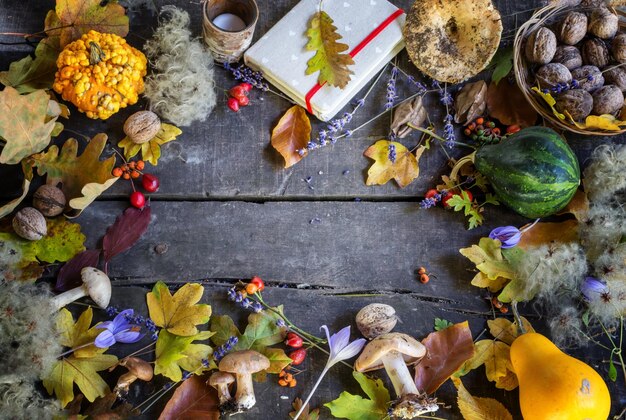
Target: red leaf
[
  {"x": 193, "y": 399},
  {"x": 69, "y": 275},
  {"x": 506, "y": 103},
  {"x": 448, "y": 349},
  {"x": 126, "y": 230}
]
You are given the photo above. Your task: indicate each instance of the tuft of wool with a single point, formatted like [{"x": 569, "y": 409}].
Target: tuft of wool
[
  {"x": 566, "y": 328},
  {"x": 603, "y": 230},
  {"x": 181, "y": 87},
  {"x": 22, "y": 401},
  {"x": 28, "y": 337},
  {"x": 605, "y": 176},
  {"x": 611, "y": 305}
]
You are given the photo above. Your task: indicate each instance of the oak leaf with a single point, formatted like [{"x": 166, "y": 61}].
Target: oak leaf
[
  {"x": 77, "y": 17},
  {"x": 477, "y": 408},
  {"x": 330, "y": 59},
  {"x": 30, "y": 74},
  {"x": 292, "y": 134},
  {"x": 24, "y": 125},
  {"x": 447, "y": 349},
  {"x": 355, "y": 407},
  {"x": 178, "y": 314},
  {"x": 83, "y": 177},
  {"x": 174, "y": 353},
  {"x": 403, "y": 167},
  {"x": 193, "y": 399},
  {"x": 307, "y": 413},
  {"x": 150, "y": 150},
  {"x": 506, "y": 103}
]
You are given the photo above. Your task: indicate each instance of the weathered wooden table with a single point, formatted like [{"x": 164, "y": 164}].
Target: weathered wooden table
[{"x": 228, "y": 210}]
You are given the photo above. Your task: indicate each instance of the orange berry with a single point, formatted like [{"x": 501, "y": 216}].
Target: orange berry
[
  {"x": 496, "y": 303},
  {"x": 496, "y": 131},
  {"x": 117, "y": 172},
  {"x": 126, "y": 175},
  {"x": 140, "y": 165},
  {"x": 421, "y": 270},
  {"x": 289, "y": 377},
  {"x": 282, "y": 373},
  {"x": 282, "y": 382},
  {"x": 243, "y": 294},
  {"x": 480, "y": 120},
  {"x": 424, "y": 278},
  {"x": 134, "y": 174},
  {"x": 512, "y": 129},
  {"x": 251, "y": 288},
  {"x": 472, "y": 126},
  {"x": 504, "y": 309},
  {"x": 131, "y": 165},
  {"x": 292, "y": 383}
]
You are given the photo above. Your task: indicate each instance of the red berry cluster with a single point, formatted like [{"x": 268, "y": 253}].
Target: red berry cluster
[
  {"x": 485, "y": 131},
  {"x": 499, "y": 305},
  {"x": 443, "y": 198},
  {"x": 239, "y": 96},
  {"x": 298, "y": 355},
  {"x": 133, "y": 170}
]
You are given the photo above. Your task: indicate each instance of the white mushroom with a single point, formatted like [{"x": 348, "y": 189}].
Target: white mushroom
[
  {"x": 96, "y": 285},
  {"x": 243, "y": 364}
]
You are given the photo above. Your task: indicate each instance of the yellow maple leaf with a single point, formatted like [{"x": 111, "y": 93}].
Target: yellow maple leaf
[
  {"x": 78, "y": 334},
  {"x": 482, "y": 280},
  {"x": 487, "y": 256},
  {"x": 477, "y": 408},
  {"x": 174, "y": 352},
  {"x": 150, "y": 150},
  {"x": 392, "y": 161},
  {"x": 178, "y": 314},
  {"x": 504, "y": 330}
]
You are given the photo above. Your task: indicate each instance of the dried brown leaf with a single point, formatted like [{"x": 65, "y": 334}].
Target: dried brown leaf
[
  {"x": 409, "y": 112},
  {"x": 448, "y": 349},
  {"x": 292, "y": 133},
  {"x": 471, "y": 102},
  {"x": 545, "y": 233},
  {"x": 578, "y": 206},
  {"x": 506, "y": 103},
  {"x": 475, "y": 408},
  {"x": 307, "y": 413},
  {"x": 193, "y": 399}
]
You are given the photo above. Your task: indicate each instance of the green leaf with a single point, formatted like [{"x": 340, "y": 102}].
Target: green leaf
[
  {"x": 487, "y": 256},
  {"x": 262, "y": 331},
  {"x": 174, "y": 352},
  {"x": 62, "y": 242},
  {"x": 330, "y": 59},
  {"x": 442, "y": 324},
  {"x": 586, "y": 318},
  {"x": 224, "y": 328},
  {"x": 502, "y": 64},
  {"x": 355, "y": 407},
  {"x": 612, "y": 370},
  {"x": 28, "y": 74}
]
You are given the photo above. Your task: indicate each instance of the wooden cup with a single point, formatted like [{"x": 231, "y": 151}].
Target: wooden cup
[{"x": 228, "y": 46}]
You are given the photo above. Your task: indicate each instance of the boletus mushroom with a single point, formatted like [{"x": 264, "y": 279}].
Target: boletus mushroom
[
  {"x": 96, "y": 285},
  {"x": 137, "y": 369},
  {"x": 452, "y": 40},
  {"x": 221, "y": 381},
  {"x": 243, "y": 364},
  {"x": 395, "y": 352}
]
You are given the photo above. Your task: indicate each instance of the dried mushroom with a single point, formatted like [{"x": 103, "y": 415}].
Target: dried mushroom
[
  {"x": 406, "y": 114},
  {"x": 454, "y": 40},
  {"x": 471, "y": 102}
]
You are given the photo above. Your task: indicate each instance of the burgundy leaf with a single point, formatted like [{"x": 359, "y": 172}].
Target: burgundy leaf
[
  {"x": 126, "y": 230},
  {"x": 448, "y": 349},
  {"x": 69, "y": 275}
]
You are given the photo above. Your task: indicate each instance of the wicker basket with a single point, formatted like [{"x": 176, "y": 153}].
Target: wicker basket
[{"x": 547, "y": 16}]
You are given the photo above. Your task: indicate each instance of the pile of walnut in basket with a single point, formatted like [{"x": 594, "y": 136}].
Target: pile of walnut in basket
[{"x": 579, "y": 60}]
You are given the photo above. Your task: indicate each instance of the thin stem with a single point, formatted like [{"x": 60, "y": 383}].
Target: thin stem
[
  {"x": 141, "y": 349},
  {"x": 311, "y": 337},
  {"x": 308, "y": 398},
  {"x": 518, "y": 318},
  {"x": 438, "y": 137},
  {"x": 74, "y": 349}
]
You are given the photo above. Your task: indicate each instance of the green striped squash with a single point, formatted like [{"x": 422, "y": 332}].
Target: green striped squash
[{"x": 534, "y": 171}]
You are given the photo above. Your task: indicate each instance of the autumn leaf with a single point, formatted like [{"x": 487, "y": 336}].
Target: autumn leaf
[
  {"x": 69, "y": 275},
  {"x": 447, "y": 349},
  {"x": 62, "y": 242},
  {"x": 550, "y": 101},
  {"x": 224, "y": 328},
  {"x": 487, "y": 256},
  {"x": 126, "y": 231},
  {"x": 604, "y": 122},
  {"x": 495, "y": 355},
  {"x": 502, "y": 64},
  {"x": 178, "y": 314},
  {"x": 506, "y": 103},
  {"x": 403, "y": 167},
  {"x": 477, "y": 408},
  {"x": 330, "y": 59},
  {"x": 506, "y": 331},
  {"x": 83, "y": 177},
  {"x": 77, "y": 17},
  {"x": 355, "y": 407},
  {"x": 545, "y": 233},
  {"x": 291, "y": 134},
  {"x": 102, "y": 409},
  {"x": 174, "y": 353},
  {"x": 307, "y": 413},
  {"x": 262, "y": 331},
  {"x": 150, "y": 150},
  {"x": 28, "y": 74},
  {"x": 77, "y": 334},
  {"x": 192, "y": 400},
  {"x": 23, "y": 124},
  {"x": 578, "y": 206}
]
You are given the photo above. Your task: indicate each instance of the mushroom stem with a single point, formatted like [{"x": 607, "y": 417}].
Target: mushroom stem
[
  {"x": 222, "y": 392},
  {"x": 399, "y": 374},
  {"x": 244, "y": 397},
  {"x": 70, "y": 296}
]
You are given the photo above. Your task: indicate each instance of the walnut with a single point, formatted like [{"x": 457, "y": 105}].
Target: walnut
[
  {"x": 607, "y": 100},
  {"x": 376, "y": 319},
  {"x": 553, "y": 74},
  {"x": 595, "y": 52},
  {"x": 577, "y": 102},
  {"x": 589, "y": 78},
  {"x": 616, "y": 76},
  {"x": 541, "y": 46},
  {"x": 49, "y": 200},
  {"x": 618, "y": 47},
  {"x": 142, "y": 126},
  {"x": 568, "y": 56},
  {"x": 30, "y": 224},
  {"x": 572, "y": 28},
  {"x": 603, "y": 23}
]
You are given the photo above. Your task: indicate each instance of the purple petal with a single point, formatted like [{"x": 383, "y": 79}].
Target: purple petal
[
  {"x": 340, "y": 339},
  {"x": 593, "y": 288},
  {"x": 105, "y": 339},
  {"x": 350, "y": 350},
  {"x": 121, "y": 320},
  {"x": 509, "y": 236},
  {"x": 325, "y": 328},
  {"x": 128, "y": 336},
  {"x": 106, "y": 324}
]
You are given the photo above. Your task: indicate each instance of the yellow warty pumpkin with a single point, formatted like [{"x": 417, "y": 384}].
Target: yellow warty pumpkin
[{"x": 100, "y": 73}]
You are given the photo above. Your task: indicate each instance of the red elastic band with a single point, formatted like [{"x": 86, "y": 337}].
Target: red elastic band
[{"x": 354, "y": 52}]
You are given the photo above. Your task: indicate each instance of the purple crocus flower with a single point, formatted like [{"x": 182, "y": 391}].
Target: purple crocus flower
[
  {"x": 509, "y": 236},
  {"x": 593, "y": 288},
  {"x": 121, "y": 329}
]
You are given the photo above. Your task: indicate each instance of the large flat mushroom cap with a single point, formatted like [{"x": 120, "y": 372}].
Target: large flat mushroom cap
[
  {"x": 370, "y": 359},
  {"x": 244, "y": 361},
  {"x": 452, "y": 40}
]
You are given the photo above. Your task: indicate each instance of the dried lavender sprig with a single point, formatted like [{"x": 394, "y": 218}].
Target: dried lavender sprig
[
  {"x": 392, "y": 153},
  {"x": 391, "y": 88},
  {"x": 446, "y": 99},
  {"x": 246, "y": 74}
]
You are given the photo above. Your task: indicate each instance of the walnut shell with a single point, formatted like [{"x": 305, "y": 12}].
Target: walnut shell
[
  {"x": 607, "y": 100},
  {"x": 589, "y": 78},
  {"x": 603, "y": 23},
  {"x": 568, "y": 56},
  {"x": 541, "y": 46},
  {"x": 572, "y": 28},
  {"x": 595, "y": 52},
  {"x": 30, "y": 224},
  {"x": 618, "y": 47},
  {"x": 577, "y": 102},
  {"x": 552, "y": 74},
  {"x": 49, "y": 200},
  {"x": 376, "y": 319},
  {"x": 616, "y": 76},
  {"x": 142, "y": 126}
]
